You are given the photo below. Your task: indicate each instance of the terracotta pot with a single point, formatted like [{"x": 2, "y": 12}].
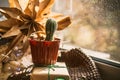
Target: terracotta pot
[{"x": 44, "y": 52}]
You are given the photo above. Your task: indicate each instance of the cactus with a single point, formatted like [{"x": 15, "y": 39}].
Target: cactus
[{"x": 51, "y": 26}]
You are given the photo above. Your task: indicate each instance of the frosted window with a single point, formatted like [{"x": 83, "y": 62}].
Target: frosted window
[{"x": 95, "y": 26}]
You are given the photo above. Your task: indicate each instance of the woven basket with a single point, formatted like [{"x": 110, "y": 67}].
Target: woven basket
[{"x": 80, "y": 66}]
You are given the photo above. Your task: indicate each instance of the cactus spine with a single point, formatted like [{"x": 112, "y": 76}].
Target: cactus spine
[{"x": 51, "y": 26}]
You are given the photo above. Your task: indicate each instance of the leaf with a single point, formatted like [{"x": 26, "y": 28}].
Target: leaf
[
  {"x": 31, "y": 8},
  {"x": 9, "y": 23},
  {"x": 27, "y": 29},
  {"x": 25, "y": 18},
  {"x": 63, "y": 22},
  {"x": 5, "y": 15},
  {"x": 12, "y": 12},
  {"x": 15, "y": 4},
  {"x": 44, "y": 8},
  {"x": 24, "y": 26},
  {"x": 39, "y": 27},
  {"x": 3, "y": 30},
  {"x": 23, "y": 4},
  {"x": 12, "y": 32}
]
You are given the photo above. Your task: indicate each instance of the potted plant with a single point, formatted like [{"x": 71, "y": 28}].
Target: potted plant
[{"x": 45, "y": 50}]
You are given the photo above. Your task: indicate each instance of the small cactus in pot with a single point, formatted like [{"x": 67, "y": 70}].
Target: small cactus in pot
[
  {"x": 45, "y": 52},
  {"x": 51, "y": 26}
]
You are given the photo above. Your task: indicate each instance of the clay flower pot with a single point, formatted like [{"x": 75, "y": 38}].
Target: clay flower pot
[{"x": 44, "y": 52}]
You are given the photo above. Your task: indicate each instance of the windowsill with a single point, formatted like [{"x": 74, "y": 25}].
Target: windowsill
[{"x": 97, "y": 56}]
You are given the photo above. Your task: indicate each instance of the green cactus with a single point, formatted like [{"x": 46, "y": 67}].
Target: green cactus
[{"x": 51, "y": 26}]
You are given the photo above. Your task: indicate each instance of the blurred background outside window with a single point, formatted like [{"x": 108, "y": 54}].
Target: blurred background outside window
[{"x": 95, "y": 26}]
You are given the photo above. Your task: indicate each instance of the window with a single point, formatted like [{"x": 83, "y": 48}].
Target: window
[{"x": 95, "y": 26}]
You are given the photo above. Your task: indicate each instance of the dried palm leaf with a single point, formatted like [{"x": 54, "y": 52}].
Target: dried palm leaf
[{"x": 28, "y": 16}]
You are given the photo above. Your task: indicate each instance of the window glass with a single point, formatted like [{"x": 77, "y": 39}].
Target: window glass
[{"x": 95, "y": 26}]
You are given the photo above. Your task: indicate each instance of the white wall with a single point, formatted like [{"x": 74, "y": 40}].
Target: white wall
[{"x": 4, "y": 3}]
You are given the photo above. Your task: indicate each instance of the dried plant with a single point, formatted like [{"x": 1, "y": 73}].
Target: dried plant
[{"x": 26, "y": 16}]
